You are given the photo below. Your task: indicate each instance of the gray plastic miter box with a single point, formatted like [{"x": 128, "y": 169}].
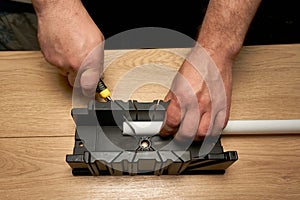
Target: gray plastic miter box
[{"x": 101, "y": 147}]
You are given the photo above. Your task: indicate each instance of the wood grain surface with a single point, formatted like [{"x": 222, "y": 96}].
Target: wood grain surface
[
  {"x": 35, "y": 168},
  {"x": 36, "y": 100},
  {"x": 37, "y": 131}
]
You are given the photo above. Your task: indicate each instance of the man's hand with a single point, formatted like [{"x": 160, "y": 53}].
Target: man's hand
[
  {"x": 199, "y": 106},
  {"x": 71, "y": 41},
  {"x": 200, "y": 97}
]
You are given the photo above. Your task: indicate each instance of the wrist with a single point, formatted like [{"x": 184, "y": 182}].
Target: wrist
[
  {"x": 226, "y": 49},
  {"x": 222, "y": 58}
]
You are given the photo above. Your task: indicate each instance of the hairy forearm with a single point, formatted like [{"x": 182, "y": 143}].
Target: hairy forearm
[
  {"x": 225, "y": 25},
  {"x": 52, "y": 6}
]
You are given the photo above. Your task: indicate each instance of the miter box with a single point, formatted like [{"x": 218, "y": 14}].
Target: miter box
[{"x": 101, "y": 148}]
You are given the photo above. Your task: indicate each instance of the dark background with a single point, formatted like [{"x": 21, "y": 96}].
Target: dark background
[{"x": 276, "y": 22}]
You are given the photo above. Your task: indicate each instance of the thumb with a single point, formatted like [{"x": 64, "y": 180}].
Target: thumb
[{"x": 89, "y": 80}]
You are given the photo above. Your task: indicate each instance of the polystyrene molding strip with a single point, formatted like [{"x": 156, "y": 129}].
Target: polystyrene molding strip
[{"x": 234, "y": 127}]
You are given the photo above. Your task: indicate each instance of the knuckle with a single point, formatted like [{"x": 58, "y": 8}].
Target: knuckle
[
  {"x": 74, "y": 63},
  {"x": 204, "y": 100},
  {"x": 172, "y": 120},
  {"x": 204, "y": 105},
  {"x": 71, "y": 63}
]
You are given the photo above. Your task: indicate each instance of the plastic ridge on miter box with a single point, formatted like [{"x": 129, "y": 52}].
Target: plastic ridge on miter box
[{"x": 101, "y": 148}]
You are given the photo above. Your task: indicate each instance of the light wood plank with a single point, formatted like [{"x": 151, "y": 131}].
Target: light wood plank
[
  {"x": 266, "y": 79},
  {"x": 266, "y": 83},
  {"x": 36, "y": 101},
  {"x": 35, "y": 168}
]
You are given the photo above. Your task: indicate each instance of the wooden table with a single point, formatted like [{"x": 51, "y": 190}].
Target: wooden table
[{"x": 37, "y": 131}]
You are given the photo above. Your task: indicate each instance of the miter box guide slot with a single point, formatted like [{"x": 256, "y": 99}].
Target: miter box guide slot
[{"x": 101, "y": 148}]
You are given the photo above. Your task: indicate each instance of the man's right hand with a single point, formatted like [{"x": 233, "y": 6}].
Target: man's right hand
[{"x": 70, "y": 40}]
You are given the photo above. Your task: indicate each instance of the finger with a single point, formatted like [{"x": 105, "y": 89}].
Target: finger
[
  {"x": 188, "y": 126},
  {"x": 226, "y": 116},
  {"x": 90, "y": 71},
  {"x": 71, "y": 77},
  {"x": 218, "y": 122},
  {"x": 203, "y": 126},
  {"x": 172, "y": 120}
]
